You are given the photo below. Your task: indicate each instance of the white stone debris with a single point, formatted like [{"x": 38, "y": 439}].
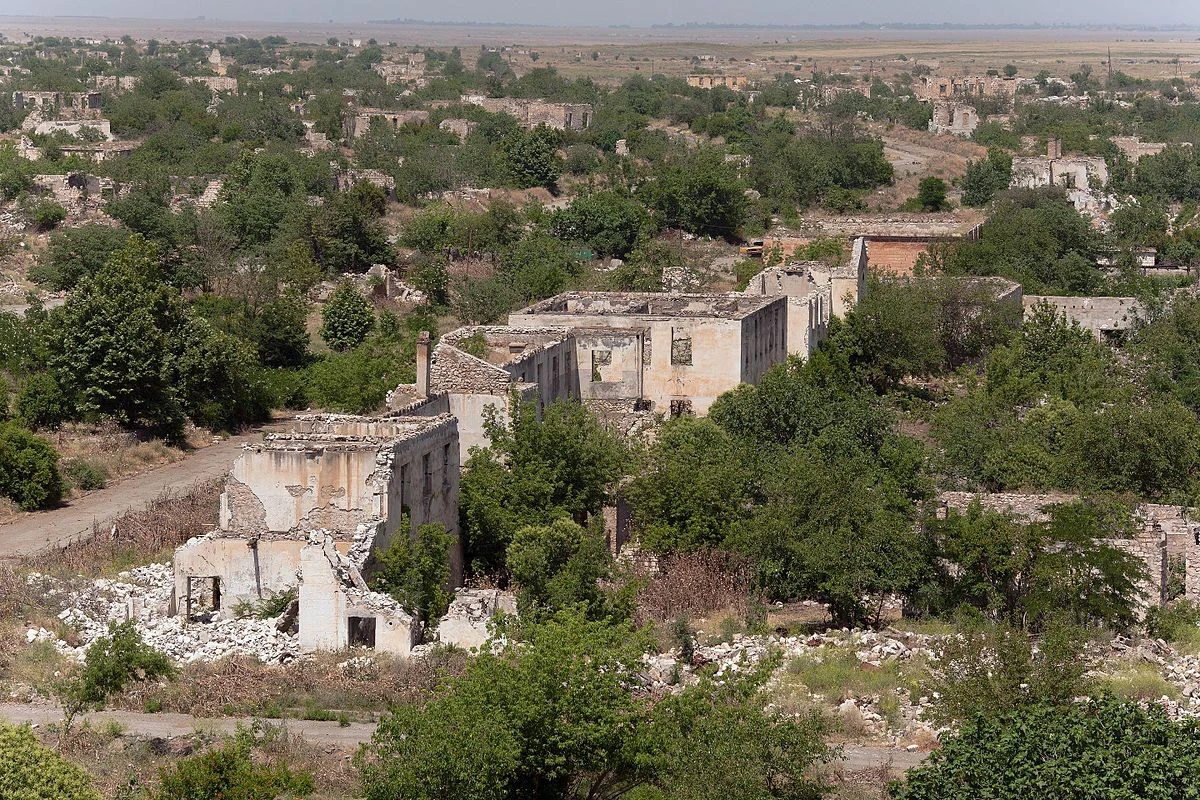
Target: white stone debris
[{"x": 143, "y": 595}]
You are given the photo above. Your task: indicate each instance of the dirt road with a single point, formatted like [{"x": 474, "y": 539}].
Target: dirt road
[
  {"x": 169, "y": 725},
  {"x": 38, "y": 531},
  {"x": 854, "y": 757}
]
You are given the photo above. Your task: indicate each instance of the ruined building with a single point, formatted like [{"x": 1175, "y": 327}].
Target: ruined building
[
  {"x": 675, "y": 352},
  {"x": 357, "y": 124},
  {"x": 309, "y": 509},
  {"x": 954, "y": 118},
  {"x": 933, "y": 87},
  {"x": 735, "y": 82},
  {"x": 532, "y": 113},
  {"x": 1166, "y": 538},
  {"x": 1082, "y": 173},
  {"x": 1106, "y": 318}
]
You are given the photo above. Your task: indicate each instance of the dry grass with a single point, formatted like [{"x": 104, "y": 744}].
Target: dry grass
[
  {"x": 141, "y": 537},
  {"x": 118, "y": 452},
  {"x": 696, "y": 584},
  {"x": 325, "y": 683},
  {"x": 1140, "y": 682},
  {"x": 117, "y": 761}
]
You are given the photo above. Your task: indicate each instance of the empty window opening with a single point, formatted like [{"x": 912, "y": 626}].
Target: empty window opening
[
  {"x": 600, "y": 358},
  {"x": 445, "y": 466},
  {"x": 361, "y": 631},
  {"x": 681, "y": 349},
  {"x": 203, "y": 596},
  {"x": 404, "y": 495},
  {"x": 427, "y": 468}
]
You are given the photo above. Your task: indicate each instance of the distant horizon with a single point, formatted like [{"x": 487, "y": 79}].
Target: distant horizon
[{"x": 860, "y": 25}]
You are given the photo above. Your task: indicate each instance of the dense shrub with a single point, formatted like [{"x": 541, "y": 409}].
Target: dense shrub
[
  {"x": 28, "y": 468},
  {"x": 1103, "y": 748},
  {"x": 30, "y": 771},
  {"x": 230, "y": 773}
]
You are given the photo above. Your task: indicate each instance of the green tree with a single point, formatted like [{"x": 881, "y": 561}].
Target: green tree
[
  {"x": 113, "y": 343},
  {"x": 990, "y": 669},
  {"x": 346, "y": 319},
  {"x": 531, "y": 157},
  {"x": 836, "y": 525},
  {"x": 1035, "y": 238},
  {"x": 28, "y": 468},
  {"x": 534, "y": 471},
  {"x": 218, "y": 378},
  {"x": 608, "y": 222},
  {"x": 931, "y": 194},
  {"x": 75, "y": 253},
  {"x": 698, "y": 192},
  {"x": 537, "y": 267},
  {"x": 1102, "y": 748},
  {"x": 280, "y": 331},
  {"x": 230, "y": 772},
  {"x": 984, "y": 178},
  {"x": 689, "y": 487},
  {"x": 346, "y": 234},
  {"x": 552, "y": 715},
  {"x": 1064, "y": 567},
  {"x": 112, "y": 663},
  {"x": 559, "y": 566},
  {"x": 416, "y": 571},
  {"x": 32, "y": 771}
]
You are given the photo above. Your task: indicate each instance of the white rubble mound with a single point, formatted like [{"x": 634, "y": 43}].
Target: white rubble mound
[{"x": 144, "y": 596}]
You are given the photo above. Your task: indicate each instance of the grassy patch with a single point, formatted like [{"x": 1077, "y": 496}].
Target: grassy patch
[
  {"x": 1140, "y": 682},
  {"x": 837, "y": 672}
]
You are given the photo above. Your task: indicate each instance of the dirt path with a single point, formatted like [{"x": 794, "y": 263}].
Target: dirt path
[
  {"x": 40, "y": 530},
  {"x": 21, "y": 308},
  {"x": 854, "y": 757},
  {"x": 169, "y": 725}
]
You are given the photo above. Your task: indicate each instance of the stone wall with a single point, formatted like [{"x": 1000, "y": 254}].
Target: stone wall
[
  {"x": 1102, "y": 316},
  {"x": 1161, "y": 533}
]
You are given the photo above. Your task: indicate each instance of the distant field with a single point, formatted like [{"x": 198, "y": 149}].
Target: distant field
[{"x": 757, "y": 51}]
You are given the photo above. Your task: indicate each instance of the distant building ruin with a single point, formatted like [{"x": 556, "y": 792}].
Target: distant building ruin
[
  {"x": 933, "y": 87},
  {"x": 954, "y": 118},
  {"x": 1082, "y": 173},
  {"x": 735, "y": 82},
  {"x": 532, "y": 113},
  {"x": 357, "y": 124},
  {"x": 1106, "y": 318}
]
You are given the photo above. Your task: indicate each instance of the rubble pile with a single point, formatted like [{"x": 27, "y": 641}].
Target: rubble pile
[
  {"x": 897, "y": 719},
  {"x": 144, "y": 596}
]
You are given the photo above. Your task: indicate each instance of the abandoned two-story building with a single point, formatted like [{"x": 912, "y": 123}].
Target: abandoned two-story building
[{"x": 309, "y": 509}]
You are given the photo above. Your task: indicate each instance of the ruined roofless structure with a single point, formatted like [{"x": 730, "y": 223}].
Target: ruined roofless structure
[{"x": 311, "y": 507}]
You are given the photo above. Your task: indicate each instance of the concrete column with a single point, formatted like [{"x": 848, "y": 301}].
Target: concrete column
[{"x": 423, "y": 364}]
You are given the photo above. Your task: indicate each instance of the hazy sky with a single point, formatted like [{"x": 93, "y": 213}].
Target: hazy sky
[{"x": 636, "y": 12}]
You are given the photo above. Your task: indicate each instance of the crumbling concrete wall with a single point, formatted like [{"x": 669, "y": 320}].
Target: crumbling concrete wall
[
  {"x": 465, "y": 624},
  {"x": 531, "y": 113},
  {"x": 75, "y": 127},
  {"x": 695, "y": 347},
  {"x": 356, "y": 125},
  {"x": 735, "y": 82},
  {"x": 849, "y": 282},
  {"x": 1103, "y": 316},
  {"x": 358, "y": 480},
  {"x": 1161, "y": 533},
  {"x": 610, "y": 364},
  {"x": 337, "y": 610},
  {"x": 954, "y": 118},
  {"x": 1079, "y": 172}
]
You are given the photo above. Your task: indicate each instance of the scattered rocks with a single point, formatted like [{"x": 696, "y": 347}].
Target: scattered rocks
[{"x": 143, "y": 595}]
